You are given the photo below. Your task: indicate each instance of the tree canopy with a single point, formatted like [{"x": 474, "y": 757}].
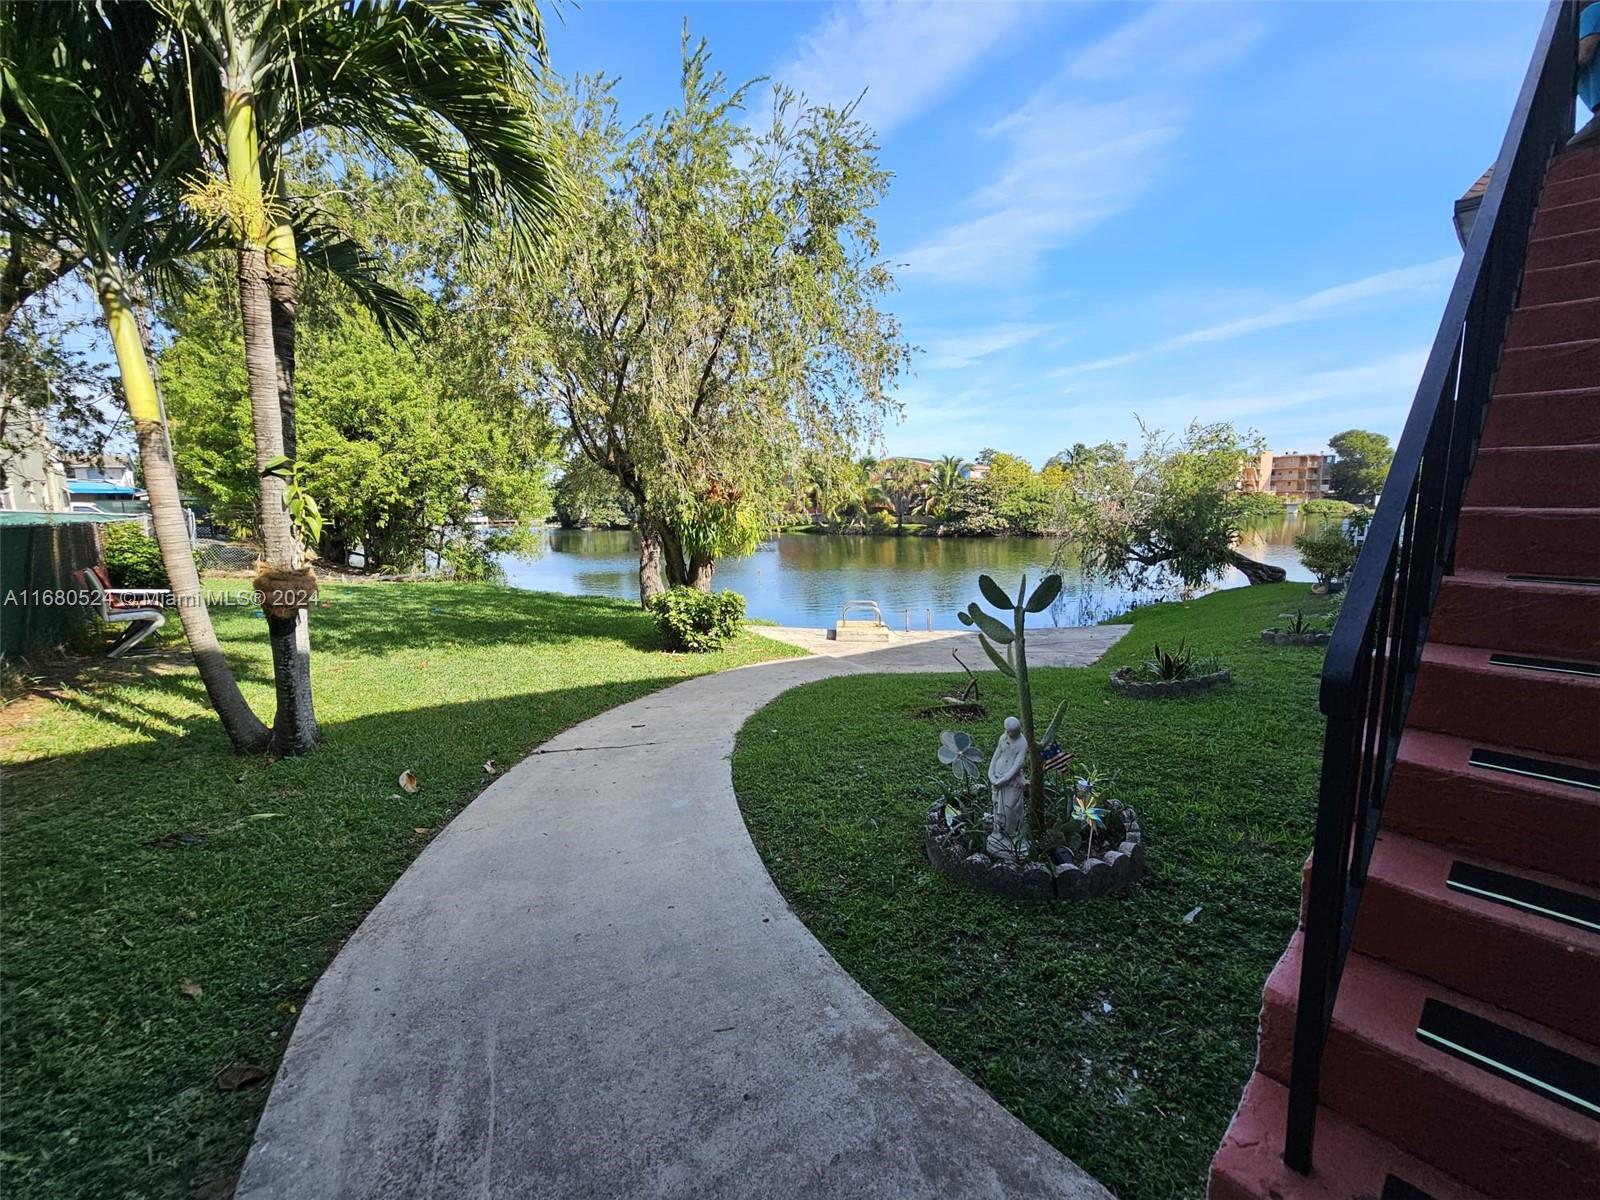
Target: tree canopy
[
  {"x": 710, "y": 315},
  {"x": 1361, "y": 465}
]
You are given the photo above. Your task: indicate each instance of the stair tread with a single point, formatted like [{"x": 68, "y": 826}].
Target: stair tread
[
  {"x": 1476, "y": 577},
  {"x": 1449, "y": 752},
  {"x": 1348, "y": 1160},
  {"x": 1421, "y": 868},
  {"x": 1381, "y": 1005},
  {"x": 1476, "y": 658}
]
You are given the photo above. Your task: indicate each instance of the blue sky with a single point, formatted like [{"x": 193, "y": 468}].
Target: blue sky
[{"x": 1176, "y": 210}]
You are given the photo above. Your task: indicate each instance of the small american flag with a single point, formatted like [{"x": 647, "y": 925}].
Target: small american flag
[{"x": 1054, "y": 757}]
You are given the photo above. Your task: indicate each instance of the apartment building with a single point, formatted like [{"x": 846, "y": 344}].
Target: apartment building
[{"x": 1294, "y": 476}]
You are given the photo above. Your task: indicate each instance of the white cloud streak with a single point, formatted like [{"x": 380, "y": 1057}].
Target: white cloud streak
[{"x": 904, "y": 54}]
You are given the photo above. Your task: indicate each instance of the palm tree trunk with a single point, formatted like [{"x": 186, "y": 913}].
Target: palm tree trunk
[
  {"x": 294, "y": 726},
  {"x": 244, "y": 729}
]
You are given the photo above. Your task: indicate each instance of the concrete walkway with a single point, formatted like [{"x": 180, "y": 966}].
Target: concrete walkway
[{"x": 587, "y": 986}]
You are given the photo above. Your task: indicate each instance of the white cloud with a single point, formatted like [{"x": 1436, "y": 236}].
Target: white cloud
[
  {"x": 1086, "y": 145},
  {"x": 905, "y": 55},
  {"x": 967, "y": 349},
  {"x": 1426, "y": 278}
]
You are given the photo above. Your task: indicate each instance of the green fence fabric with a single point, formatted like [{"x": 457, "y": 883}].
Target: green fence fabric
[{"x": 42, "y": 602}]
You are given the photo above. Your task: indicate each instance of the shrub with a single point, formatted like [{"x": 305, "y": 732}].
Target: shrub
[
  {"x": 882, "y": 523},
  {"x": 1257, "y": 506},
  {"x": 1328, "y": 508},
  {"x": 1327, "y": 553},
  {"x": 133, "y": 560},
  {"x": 690, "y": 619}
]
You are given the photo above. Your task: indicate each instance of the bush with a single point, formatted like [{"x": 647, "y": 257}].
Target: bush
[
  {"x": 1258, "y": 506},
  {"x": 133, "y": 560},
  {"x": 1327, "y": 553},
  {"x": 882, "y": 523},
  {"x": 690, "y": 619},
  {"x": 1328, "y": 508}
]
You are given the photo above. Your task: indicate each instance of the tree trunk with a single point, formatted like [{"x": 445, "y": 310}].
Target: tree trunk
[
  {"x": 651, "y": 583},
  {"x": 244, "y": 729},
  {"x": 294, "y": 726},
  {"x": 295, "y": 729},
  {"x": 700, "y": 572},
  {"x": 1257, "y": 572}
]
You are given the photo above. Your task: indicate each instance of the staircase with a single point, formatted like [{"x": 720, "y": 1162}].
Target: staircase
[{"x": 1460, "y": 1056}]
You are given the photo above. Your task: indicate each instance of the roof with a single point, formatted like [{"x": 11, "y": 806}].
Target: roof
[
  {"x": 10, "y": 516},
  {"x": 99, "y": 487}
]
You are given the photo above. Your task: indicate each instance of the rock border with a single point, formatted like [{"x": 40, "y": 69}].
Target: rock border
[
  {"x": 1107, "y": 874},
  {"x": 1280, "y": 637},
  {"x": 1123, "y": 683}
]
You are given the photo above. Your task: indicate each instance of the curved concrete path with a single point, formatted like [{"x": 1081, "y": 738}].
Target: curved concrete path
[{"x": 587, "y": 986}]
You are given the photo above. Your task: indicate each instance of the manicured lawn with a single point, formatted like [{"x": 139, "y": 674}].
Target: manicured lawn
[
  {"x": 1120, "y": 1033},
  {"x": 167, "y": 906}
]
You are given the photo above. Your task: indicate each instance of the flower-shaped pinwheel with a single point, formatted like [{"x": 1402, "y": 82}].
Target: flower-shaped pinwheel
[{"x": 957, "y": 752}]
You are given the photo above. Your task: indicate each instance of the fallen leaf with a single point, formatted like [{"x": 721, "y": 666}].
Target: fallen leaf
[
  {"x": 193, "y": 989},
  {"x": 408, "y": 781},
  {"x": 1194, "y": 912},
  {"x": 237, "y": 1076}
]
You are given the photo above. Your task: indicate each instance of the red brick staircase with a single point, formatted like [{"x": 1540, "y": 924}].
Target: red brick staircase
[{"x": 1463, "y": 1058}]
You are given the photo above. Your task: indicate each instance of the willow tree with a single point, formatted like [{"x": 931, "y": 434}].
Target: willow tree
[
  {"x": 93, "y": 137},
  {"x": 446, "y": 83},
  {"x": 710, "y": 316},
  {"x": 1169, "y": 515}
]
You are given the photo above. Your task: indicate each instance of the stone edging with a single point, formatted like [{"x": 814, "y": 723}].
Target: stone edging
[
  {"x": 1123, "y": 683},
  {"x": 1108, "y": 874},
  {"x": 1279, "y": 637}
]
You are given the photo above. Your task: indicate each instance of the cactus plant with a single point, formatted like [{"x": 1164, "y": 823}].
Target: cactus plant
[{"x": 1013, "y": 663}]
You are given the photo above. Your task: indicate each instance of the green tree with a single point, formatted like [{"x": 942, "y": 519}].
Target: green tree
[
  {"x": 1357, "y": 474},
  {"x": 448, "y": 84},
  {"x": 587, "y": 497},
  {"x": 398, "y": 452},
  {"x": 49, "y": 381},
  {"x": 904, "y": 484},
  {"x": 946, "y": 483},
  {"x": 1169, "y": 514},
  {"x": 94, "y": 135},
  {"x": 710, "y": 317}
]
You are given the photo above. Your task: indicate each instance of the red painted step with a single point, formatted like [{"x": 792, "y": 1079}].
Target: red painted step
[
  {"x": 1491, "y": 1134},
  {"x": 1550, "y": 368},
  {"x": 1347, "y": 1160},
  {"x": 1437, "y": 794},
  {"x": 1553, "y": 324},
  {"x": 1562, "y": 250},
  {"x": 1571, "y": 418},
  {"x": 1567, "y": 218},
  {"x": 1458, "y": 691},
  {"x": 1576, "y": 281},
  {"x": 1535, "y": 541},
  {"x": 1484, "y": 608},
  {"x": 1540, "y": 968},
  {"x": 1537, "y": 476}
]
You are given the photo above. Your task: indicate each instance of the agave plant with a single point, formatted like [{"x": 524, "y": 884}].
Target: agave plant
[
  {"x": 1298, "y": 622},
  {"x": 1013, "y": 663},
  {"x": 1170, "y": 665},
  {"x": 957, "y": 752}
]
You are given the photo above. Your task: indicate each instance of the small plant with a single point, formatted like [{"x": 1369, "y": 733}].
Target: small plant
[
  {"x": 1328, "y": 553},
  {"x": 697, "y": 621},
  {"x": 133, "y": 559},
  {"x": 1299, "y": 624},
  {"x": 1171, "y": 665},
  {"x": 1085, "y": 813}
]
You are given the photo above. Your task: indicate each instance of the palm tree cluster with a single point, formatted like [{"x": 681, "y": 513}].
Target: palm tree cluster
[
  {"x": 902, "y": 487},
  {"x": 137, "y": 136}
]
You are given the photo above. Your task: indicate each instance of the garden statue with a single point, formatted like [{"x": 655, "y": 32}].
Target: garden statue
[{"x": 1007, "y": 788}]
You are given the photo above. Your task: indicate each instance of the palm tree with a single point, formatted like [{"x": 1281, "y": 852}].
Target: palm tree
[
  {"x": 89, "y": 176},
  {"x": 905, "y": 486},
  {"x": 447, "y": 82},
  {"x": 947, "y": 481}
]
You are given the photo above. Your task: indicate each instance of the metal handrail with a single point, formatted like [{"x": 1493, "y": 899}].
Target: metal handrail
[{"x": 1376, "y": 646}]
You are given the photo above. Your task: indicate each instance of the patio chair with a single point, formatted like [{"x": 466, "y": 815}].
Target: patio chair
[{"x": 139, "y": 608}]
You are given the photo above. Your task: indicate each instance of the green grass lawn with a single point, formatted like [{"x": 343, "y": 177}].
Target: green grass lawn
[
  {"x": 167, "y": 906},
  {"x": 1122, "y": 1034}
]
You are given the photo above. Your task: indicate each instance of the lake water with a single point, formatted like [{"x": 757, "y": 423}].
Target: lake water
[{"x": 919, "y": 582}]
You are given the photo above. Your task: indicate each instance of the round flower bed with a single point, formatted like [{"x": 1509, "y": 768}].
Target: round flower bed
[
  {"x": 1107, "y": 872},
  {"x": 1125, "y": 682},
  {"x": 1284, "y": 637}
]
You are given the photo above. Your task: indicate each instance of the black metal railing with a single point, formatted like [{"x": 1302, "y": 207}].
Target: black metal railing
[{"x": 1377, "y": 644}]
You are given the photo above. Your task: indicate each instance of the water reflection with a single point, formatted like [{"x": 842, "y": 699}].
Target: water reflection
[{"x": 802, "y": 579}]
